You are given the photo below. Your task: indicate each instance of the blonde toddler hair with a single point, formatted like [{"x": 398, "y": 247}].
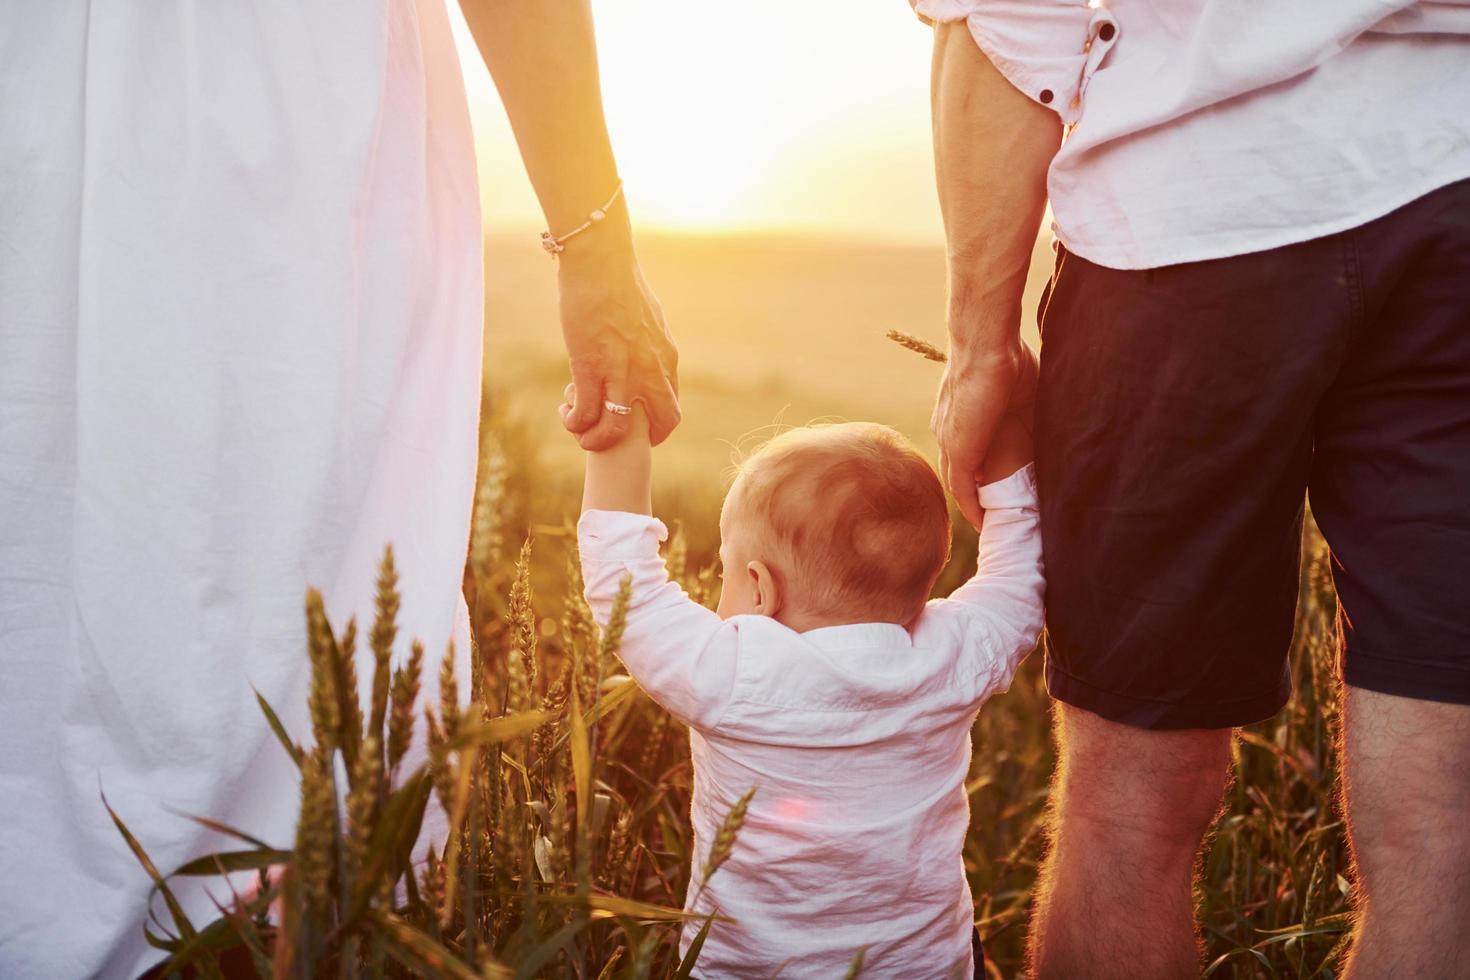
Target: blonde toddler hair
[{"x": 855, "y": 517}]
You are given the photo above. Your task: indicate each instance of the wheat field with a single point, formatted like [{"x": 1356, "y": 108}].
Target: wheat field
[{"x": 568, "y": 790}]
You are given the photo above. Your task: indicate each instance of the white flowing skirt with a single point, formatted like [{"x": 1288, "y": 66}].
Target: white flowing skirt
[{"x": 240, "y": 350}]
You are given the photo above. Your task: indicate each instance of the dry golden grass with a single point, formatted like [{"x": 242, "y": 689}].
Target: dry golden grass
[{"x": 569, "y": 790}]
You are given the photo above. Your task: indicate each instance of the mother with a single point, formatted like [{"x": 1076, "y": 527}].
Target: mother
[{"x": 240, "y": 349}]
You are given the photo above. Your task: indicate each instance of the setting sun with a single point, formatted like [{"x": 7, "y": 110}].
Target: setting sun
[{"x": 810, "y": 118}]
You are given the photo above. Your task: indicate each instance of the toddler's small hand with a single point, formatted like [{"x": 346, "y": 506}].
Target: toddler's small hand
[
  {"x": 1010, "y": 448},
  {"x": 568, "y": 401},
  {"x": 638, "y": 422}
]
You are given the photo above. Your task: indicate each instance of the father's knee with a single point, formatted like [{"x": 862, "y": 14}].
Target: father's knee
[
  {"x": 1407, "y": 775},
  {"x": 1150, "y": 792}
]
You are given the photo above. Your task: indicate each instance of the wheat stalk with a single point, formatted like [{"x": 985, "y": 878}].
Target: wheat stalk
[
  {"x": 918, "y": 346},
  {"x": 610, "y": 872},
  {"x": 325, "y": 708},
  {"x": 724, "y": 842},
  {"x": 350, "y": 735},
  {"x": 385, "y": 632},
  {"x": 449, "y": 712},
  {"x": 520, "y": 665},
  {"x": 617, "y": 620},
  {"x": 362, "y": 803},
  {"x": 676, "y": 555},
  {"x": 486, "y": 537},
  {"x": 439, "y": 768},
  {"x": 316, "y": 831},
  {"x": 405, "y": 694}
]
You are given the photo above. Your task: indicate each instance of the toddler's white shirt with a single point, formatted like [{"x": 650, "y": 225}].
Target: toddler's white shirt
[{"x": 857, "y": 737}]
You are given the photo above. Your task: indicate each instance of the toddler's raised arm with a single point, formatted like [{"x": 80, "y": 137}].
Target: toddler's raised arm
[
  {"x": 1005, "y": 595},
  {"x": 621, "y": 478},
  {"x": 676, "y": 649}
]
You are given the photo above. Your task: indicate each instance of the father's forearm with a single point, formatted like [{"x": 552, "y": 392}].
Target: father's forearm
[
  {"x": 542, "y": 55},
  {"x": 992, "y": 147}
]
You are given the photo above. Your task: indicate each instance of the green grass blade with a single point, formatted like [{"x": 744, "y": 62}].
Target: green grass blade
[
  {"x": 201, "y": 951},
  {"x": 581, "y": 766},
  {"x": 391, "y": 844},
  {"x": 605, "y": 704},
  {"x": 686, "y": 965},
  {"x": 545, "y": 951},
  {"x": 181, "y": 921},
  {"x": 608, "y": 906},
  {"x": 502, "y": 729},
  {"x": 425, "y": 957},
  {"x": 226, "y": 861},
  {"x": 225, "y": 829},
  {"x": 272, "y": 719}
]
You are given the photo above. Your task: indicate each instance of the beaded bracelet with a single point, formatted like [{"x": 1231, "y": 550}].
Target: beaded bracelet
[{"x": 555, "y": 245}]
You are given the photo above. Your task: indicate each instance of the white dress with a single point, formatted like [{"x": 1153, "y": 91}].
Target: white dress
[{"x": 240, "y": 350}]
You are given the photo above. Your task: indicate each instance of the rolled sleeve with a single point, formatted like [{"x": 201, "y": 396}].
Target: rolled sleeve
[
  {"x": 677, "y": 650},
  {"x": 1015, "y": 491},
  {"x": 614, "y": 536},
  {"x": 1047, "y": 49}
]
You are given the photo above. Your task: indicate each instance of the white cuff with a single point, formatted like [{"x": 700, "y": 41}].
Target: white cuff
[
  {"x": 1016, "y": 490},
  {"x": 611, "y": 535}
]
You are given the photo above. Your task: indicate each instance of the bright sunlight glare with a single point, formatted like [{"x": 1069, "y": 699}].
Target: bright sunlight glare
[{"x": 808, "y": 117}]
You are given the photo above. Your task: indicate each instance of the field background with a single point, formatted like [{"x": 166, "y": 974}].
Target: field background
[
  {"x": 783, "y": 330},
  {"x": 771, "y": 331}
]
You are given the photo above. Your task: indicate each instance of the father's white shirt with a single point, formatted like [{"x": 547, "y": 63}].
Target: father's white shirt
[
  {"x": 1208, "y": 128},
  {"x": 857, "y": 737}
]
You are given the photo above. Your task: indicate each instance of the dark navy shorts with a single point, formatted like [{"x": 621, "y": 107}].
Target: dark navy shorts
[{"x": 1184, "y": 414}]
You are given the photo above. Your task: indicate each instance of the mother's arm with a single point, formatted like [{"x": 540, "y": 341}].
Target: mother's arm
[
  {"x": 992, "y": 147},
  {"x": 543, "y": 57}
]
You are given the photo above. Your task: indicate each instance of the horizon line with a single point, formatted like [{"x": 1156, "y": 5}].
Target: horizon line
[{"x": 793, "y": 234}]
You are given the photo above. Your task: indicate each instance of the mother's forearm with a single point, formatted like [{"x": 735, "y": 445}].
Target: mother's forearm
[
  {"x": 542, "y": 55},
  {"x": 992, "y": 147}
]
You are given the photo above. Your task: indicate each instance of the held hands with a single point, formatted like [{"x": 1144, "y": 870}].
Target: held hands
[
  {"x": 636, "y": 430},
  {"x": 618, "y": 345},
  {"x": 619, "y": 477},
  {"x": 1010, "y": 449},
  {"x": 983, "y": 420}
]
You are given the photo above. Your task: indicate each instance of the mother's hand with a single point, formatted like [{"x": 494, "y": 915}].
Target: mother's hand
[
  {"x": 619, "y": 347},
  {"x": 978, "y": 389}
]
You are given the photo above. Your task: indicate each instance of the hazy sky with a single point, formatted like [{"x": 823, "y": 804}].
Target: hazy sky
[{"x": 791, "y": 115}]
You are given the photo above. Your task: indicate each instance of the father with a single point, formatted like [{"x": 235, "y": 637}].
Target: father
[{"x": 1262, "y": 288}]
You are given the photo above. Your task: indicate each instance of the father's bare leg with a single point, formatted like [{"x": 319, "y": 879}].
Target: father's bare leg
[
  {"x": 1407, "y": 773},
  {"x": 1130, "y": 809}
]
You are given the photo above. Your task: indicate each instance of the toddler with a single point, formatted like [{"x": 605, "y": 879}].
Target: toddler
[{"x": 828, "y": 682}]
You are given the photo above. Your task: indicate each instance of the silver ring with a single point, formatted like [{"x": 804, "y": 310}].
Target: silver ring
[{"x": 617, "y": 409}]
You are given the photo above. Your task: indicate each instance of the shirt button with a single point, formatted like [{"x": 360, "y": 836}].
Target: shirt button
[
  {"x": 1106, "y": 32},
  {"x": 1046, "y": 96}
]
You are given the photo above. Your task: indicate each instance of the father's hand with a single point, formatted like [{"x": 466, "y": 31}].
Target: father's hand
[
  {"x": 619, "y": 347},
  {"x": 979, "y": 388}
]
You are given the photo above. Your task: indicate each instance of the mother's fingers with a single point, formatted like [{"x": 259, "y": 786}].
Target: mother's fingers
[
  {"x": 585, "y": 404},
  {"x": 663, "y": 411},
  {"x": 611, "y": 427}
]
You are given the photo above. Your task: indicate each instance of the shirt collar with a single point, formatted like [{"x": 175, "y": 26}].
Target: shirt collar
[{"x": 852, "y": 636}]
